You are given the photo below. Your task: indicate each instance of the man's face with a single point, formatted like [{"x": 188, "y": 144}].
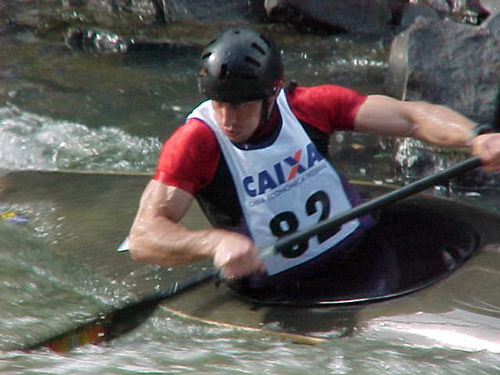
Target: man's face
[{"x": 238, "y": 122}]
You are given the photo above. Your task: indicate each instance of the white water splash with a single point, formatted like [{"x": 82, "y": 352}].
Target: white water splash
[{"x": 30, "y": 141}]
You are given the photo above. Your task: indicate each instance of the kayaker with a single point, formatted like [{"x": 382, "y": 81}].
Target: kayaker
[{"x": 253, "y": 155}]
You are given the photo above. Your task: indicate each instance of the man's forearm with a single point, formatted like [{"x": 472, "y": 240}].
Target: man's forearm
[
  {"x": 168, "y": 244},
  {"x": 428, "y": 122},
  {"x": 440, "y": 125}
]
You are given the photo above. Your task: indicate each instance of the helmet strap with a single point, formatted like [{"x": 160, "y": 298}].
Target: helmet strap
[
  {"x": 267, "y": 109},
  {"x": 265, "y": 112}
]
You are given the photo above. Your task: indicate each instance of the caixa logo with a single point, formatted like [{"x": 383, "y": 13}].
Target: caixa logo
[{"x": 282, "y": 172}]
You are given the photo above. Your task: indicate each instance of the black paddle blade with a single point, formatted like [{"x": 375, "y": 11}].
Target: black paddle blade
[{"x": 119, "y": 321}]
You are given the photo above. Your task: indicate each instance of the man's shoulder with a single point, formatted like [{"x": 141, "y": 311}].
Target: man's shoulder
[
  {"x": 189, "y": 157},
  {"x": 193, "y": 133},
  {"x": 327, "y": 107},
  {"x": 306, "y": 94},
  {"x": 194, "y": 141},
  {"x": 194, "y": 127}
]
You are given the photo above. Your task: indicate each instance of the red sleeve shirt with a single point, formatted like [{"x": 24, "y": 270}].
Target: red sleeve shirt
[
  {"x": 189, "y": 158},
  {"x": 326, "y": 107}
]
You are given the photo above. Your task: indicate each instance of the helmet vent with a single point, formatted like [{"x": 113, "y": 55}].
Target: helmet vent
[
  {"x": 206, "y": 55},
  {"x": 252, "y": 61},
  {"x": 264, "y": 39},
  {"x": 223, "y": 71},
  {"x": 258, "y": 48}
]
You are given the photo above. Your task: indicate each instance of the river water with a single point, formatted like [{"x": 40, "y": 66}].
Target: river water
[{"x": 65, "y": 109}]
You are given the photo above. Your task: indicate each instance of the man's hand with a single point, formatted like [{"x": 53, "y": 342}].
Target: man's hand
[
  {"x": 487, "y": 147},
  {"x": 235, "y": 254}
]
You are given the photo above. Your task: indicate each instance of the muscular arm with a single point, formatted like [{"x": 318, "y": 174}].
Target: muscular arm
[
  {"x": 428, "y": 122},
  {"x": 156, "y": 237}
]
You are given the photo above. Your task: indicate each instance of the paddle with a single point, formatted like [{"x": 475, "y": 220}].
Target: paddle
[
  {"x": 372, "y": 205},
  {"x": 132, "y": 314},
  {"x": 118, "y": 321}
]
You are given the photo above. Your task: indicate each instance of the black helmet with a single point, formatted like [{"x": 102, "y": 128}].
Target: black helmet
[{"x": 240, "y": 65}]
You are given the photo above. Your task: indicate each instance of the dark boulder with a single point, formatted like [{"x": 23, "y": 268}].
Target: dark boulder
[
  {"x": 213, "y": 11},
  {"x": 412, "y": 12},
  {"x": 492, "y": 24},
  {"x": 465, "y": 11},
  {"x": 360, "y": 16},
  {"x": 103, "y": 42},
  {"x": 447, "y": 63},
  {"x": 489, "y": 6}
]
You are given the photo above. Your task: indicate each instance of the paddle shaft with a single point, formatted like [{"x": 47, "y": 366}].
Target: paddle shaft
[
  {"x": 178, "y": 287},
  {"x": 374, "y": 204}
]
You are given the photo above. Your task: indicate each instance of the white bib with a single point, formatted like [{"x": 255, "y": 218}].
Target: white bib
[{"x": 285, "y": 187}]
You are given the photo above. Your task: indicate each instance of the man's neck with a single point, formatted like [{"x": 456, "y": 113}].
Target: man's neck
[{"x": 267, "y": 128}]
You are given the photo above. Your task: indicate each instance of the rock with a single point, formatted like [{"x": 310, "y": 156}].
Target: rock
[
  {"x": 361, "y": 16},
  {"x": 96, "y": 41},
  {"x": 465, "y": 11},
  {"x": 444, "y": 6},
  {"x": 103, "y": 11},
  {"x": 104, "y": 42},
  {"x": 492, "y": 25},
  {"x": 202, "y": 11},
  {"x": 446, "y": 63},
  {"x": 411, "y": 12},
  {"x": 490, "y": 6}
]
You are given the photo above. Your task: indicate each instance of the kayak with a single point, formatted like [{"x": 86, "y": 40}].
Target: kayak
[
  {"x": 424, "y": 243},
  {"x": 420, "y": 244}
]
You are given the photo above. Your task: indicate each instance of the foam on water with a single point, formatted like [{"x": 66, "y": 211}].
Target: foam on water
[{"x": 31, "y": 141}]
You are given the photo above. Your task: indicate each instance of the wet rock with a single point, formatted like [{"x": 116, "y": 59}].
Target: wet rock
[
  {"x": 92, "y": 40},
  {"x": 447, "y": 63},
  {"x": 217, "y": 10},
  {"x": 107, "y": 42},
  {"x": 444, "y": 6},
  {"x": 492, "y": 25},
  {"x": 490, "y": 6},
  {"x": 365, "y": 16},
  {"x": 466, "y": 11},
  {"x": 131, "y": 14},
  {"x": 411, "y": 12},
  {"x": 361, "y": 16}
]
